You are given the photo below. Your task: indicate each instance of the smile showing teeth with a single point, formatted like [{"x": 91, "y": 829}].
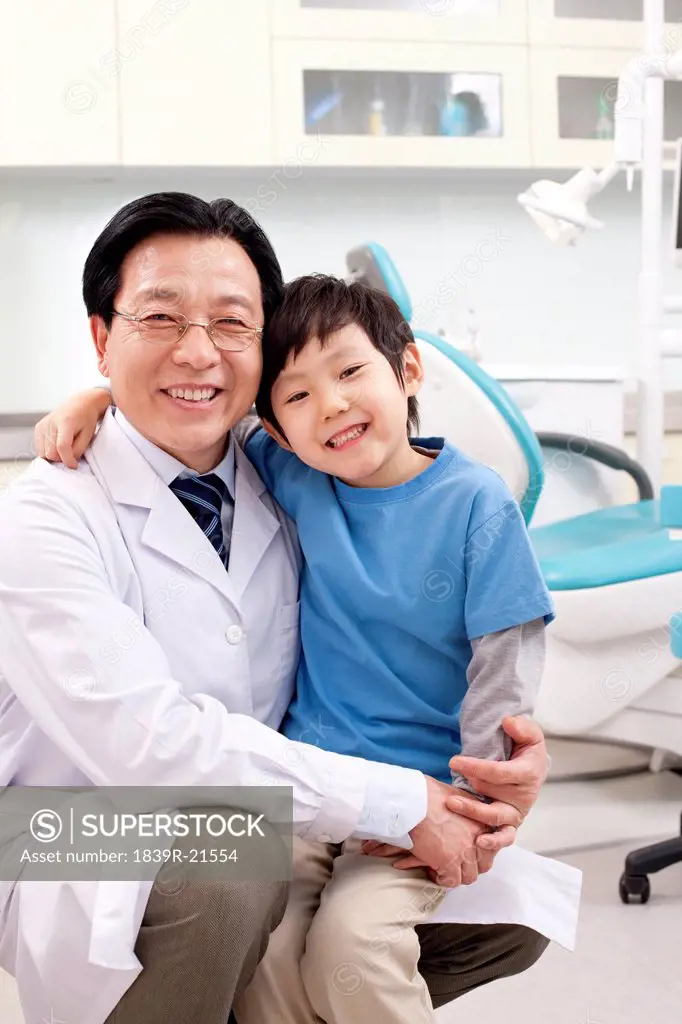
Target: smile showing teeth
[
  {"x": 192, "y": 394},
  {"x": 348, "y": 435}
]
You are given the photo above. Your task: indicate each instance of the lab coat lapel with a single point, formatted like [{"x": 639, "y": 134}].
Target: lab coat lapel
[
  {"x": 254, "y": 524},
  {"x": 169, "y": 529}
]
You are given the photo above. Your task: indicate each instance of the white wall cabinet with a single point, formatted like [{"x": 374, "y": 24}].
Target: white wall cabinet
[
  {"x": 470, "y": 21},
  {"x": 573, "y": 95},
  {"x": 569, "y": 89},
  {"x": 195, "y": 83},
  {"x": 340, "y": 104},
  {"x": 338, "y": 83},
  {"x": 57, "y": 104}
]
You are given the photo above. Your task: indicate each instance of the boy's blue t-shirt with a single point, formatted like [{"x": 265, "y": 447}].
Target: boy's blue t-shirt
[{"x": 396, "y": 582}]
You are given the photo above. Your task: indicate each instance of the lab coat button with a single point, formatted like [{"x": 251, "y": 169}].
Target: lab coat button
[{"x": 234, "y": 635}]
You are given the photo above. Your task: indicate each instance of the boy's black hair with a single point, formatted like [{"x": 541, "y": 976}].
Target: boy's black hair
[
  {"x": 315, "y": 306},
  {"x": 175, "y": 213}
]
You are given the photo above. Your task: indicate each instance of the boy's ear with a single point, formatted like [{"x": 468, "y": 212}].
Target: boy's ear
[
  {"x": 413, "y": 368},
  {"x": 100, "y": 336},
  {"x": 275, "y": 434}
]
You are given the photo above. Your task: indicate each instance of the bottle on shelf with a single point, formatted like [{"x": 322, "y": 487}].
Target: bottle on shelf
[
  {"x": 377, "y": 124},
  {"x": 605, "y": 127}
]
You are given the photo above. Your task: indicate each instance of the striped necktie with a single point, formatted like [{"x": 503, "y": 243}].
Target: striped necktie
[{"x": 204, "y": 497}]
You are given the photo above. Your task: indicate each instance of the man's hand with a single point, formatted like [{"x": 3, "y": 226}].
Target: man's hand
[
  {"x": 63, "y": 435},
  {"x": 443, "y": 841},
  {"x": 514, "y": 785}
]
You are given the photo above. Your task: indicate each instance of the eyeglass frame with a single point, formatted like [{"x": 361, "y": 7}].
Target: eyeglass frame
[{"x": 187, "y": 323}]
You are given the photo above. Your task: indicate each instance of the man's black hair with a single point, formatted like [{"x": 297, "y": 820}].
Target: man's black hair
[{"x": 175, "y": 213}]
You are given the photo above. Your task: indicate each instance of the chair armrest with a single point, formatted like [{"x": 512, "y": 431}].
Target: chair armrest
[{"x": 606, "y": 454}]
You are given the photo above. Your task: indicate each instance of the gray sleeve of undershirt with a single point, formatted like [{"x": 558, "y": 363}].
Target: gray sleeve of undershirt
[
  {"x": 503, "y": 678},
  {"x": 244, "y": 429}
]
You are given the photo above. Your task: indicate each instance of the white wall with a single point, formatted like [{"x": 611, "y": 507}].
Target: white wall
[{"x": 537, "y": 303}]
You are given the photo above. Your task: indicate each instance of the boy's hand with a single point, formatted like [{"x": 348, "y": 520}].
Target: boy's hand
[
  {"x": 63, "y": 435},
  {"x": 501, "y": 821}
]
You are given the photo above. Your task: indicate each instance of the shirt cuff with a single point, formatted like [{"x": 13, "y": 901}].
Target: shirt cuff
[{"x": 395, "y": 802}]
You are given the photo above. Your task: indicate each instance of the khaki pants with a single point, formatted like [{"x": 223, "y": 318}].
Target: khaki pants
[{"x": 346, "y": 950}]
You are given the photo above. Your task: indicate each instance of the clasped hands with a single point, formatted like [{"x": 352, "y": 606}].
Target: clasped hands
[{"x": 454, "y": 842}]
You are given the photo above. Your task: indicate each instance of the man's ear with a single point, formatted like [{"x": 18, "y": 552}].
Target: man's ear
[
  {"x": 100, "y": 336},
  {"x": 413, "y": 369},
  {"x": 275, "y": 434}
]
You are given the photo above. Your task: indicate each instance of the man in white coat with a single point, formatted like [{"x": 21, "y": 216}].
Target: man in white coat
[{"x": 130, "y": 656}]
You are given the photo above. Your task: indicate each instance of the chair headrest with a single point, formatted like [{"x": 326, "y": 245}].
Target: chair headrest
[{"x": 372, "y": 265}]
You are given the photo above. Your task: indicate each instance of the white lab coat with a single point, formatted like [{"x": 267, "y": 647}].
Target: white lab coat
[{"x": 118, "y": 622}]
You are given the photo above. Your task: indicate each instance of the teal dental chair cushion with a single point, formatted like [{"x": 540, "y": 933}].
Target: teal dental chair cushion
[{"x": 612, "y": 545}]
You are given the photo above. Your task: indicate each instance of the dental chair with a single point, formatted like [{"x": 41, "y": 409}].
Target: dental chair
[{"x": 614, "y": 651}]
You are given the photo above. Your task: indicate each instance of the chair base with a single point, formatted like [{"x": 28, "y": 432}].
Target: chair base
[{"x": 634, "y": 882}]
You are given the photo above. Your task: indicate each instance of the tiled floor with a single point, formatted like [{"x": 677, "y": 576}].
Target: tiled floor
[{"x": 625, "y": 970}]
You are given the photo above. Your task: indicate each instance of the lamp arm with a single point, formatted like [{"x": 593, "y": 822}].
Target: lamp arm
[
  {"x": 629, "y": 108},
  {"x": 607, "y": 175}
]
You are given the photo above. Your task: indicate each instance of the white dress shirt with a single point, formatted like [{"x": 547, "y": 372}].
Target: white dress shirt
[{"x": 169, "y": 468}]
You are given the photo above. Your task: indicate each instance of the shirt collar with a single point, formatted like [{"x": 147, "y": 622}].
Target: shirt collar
[{"x": 168, "y": 467}]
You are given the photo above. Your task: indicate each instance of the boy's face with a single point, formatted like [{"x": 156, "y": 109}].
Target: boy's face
[{"x": 342, "y": 408}]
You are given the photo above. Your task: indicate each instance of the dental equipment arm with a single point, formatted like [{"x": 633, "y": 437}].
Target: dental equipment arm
[{"x": 560, "y": 211}]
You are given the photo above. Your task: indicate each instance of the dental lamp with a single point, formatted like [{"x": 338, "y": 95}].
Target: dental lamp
[{"x": 560, "y": 210}]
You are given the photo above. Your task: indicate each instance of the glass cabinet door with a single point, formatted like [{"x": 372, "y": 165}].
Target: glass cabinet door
[
  {"x": 440, "y": 8},
  {"x": 499, "y": 21},
  {"x": 617, "y": 24},
  {"x": 586, "y": 108},
  {"x": 391, "y": 104},
  {"x": 613, "y": 10},
  {"x": 431, "y": 103},
  {"x": 605, "y": 10}
]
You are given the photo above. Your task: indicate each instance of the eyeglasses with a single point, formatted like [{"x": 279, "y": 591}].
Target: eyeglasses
[{"x": 227, "y": 333}]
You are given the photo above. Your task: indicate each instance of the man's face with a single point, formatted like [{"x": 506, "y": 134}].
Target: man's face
[{"x": 201, "y": 278}]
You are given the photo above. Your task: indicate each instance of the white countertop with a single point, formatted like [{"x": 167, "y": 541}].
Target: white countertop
[{"x": 555, "y": 372}]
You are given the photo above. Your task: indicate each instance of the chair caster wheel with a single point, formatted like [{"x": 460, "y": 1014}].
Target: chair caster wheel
[{"x": 631, "y": 886}]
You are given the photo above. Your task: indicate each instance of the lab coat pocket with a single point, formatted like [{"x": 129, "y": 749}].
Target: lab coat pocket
[{"x": 288, "y": 639}]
